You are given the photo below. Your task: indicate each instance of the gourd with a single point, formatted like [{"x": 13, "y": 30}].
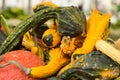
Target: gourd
[
  {"x": 108, "y": 49},
  {"x": 39, "y": 31},
  {"x": 57, "y": 60},
  {"x": 53, "y": 78},
  {"x": 32, "y": 45},
  {"x": 74, "y": 18},
  {"x": 69, "y": 19},
  {"x": 94, "y": 32},
  {"x": 75, "y": 25},
  {"x": 51, "y": 38},
  {"x": 46, "y": 4},
  {"x": 68, "y": 45},
  {"x": 12, "y": 72},
  {"x": 94, "y": 65},
  {"x": 32, "y": 22}
]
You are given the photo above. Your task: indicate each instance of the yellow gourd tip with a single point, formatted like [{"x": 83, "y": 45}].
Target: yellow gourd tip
[
  {"x": 49, "y": 4},
  {"x": 45, "y": 4}
]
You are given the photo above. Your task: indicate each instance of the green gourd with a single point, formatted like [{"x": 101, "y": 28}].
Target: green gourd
[
  {"x": 91, "y": 66},
  {"x": 69, "y": 19}
]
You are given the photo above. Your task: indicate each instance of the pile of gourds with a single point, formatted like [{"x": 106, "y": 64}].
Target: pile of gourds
[{"x": 69, "y": 44}]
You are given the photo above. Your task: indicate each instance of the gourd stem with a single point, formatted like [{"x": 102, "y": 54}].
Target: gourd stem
[{"x": 26, "y": 70}]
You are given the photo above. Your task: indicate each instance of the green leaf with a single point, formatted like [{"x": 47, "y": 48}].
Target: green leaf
[{"x": 5, "y": 25}]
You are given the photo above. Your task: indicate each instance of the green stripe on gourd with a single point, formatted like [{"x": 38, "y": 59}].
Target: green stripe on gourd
[{"x": 69, "y": 19}]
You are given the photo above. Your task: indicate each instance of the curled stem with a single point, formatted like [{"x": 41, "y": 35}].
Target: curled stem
[{"x": 26, "y": 70}]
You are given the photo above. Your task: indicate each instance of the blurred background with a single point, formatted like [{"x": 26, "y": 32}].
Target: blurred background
[{"x": 17, "y": 10}]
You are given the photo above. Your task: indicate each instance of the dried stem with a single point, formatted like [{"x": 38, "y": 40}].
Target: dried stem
[{"x": 26, "y": 70}]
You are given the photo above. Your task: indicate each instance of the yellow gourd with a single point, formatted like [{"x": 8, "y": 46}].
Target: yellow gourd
[
  {"x": 96, "y": 25},
  {"x": 28, "y": 41},
  {"x": 57, "y": 60},
  {"x": 49, "y": 4},
  {"x": 30, "y": 44}
]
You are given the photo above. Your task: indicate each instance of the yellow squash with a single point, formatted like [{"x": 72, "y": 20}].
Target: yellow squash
[
  {"x": 96, "y": 26},
  {"x": 57, "y": 60}
]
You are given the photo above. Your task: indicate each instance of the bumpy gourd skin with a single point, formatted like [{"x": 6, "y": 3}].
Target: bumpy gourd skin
[
  {"x": 71, "y": 22},
  {"x": 33, "y": 21},
  {"x": 94, "y": 65},
  {"x": 74, "y": 25}
]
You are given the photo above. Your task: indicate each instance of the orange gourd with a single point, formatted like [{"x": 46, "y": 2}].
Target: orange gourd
[{"x": 96, "y": 25}]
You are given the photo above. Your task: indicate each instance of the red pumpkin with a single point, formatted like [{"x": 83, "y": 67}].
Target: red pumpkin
[{"x": 12, "y": 72}]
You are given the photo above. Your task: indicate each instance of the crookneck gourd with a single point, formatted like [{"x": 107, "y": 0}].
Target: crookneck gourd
[
  {"x": 71, "y": 22},
  {"x": 92, "y": 66}
]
